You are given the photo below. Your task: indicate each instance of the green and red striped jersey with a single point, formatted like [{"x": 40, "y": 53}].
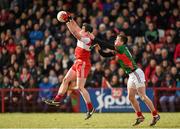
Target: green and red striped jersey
[{"x": 125, "y": 59}]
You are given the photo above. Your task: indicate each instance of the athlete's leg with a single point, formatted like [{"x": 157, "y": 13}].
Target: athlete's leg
[
  {"x": 145, "y": 98},
  {"x": 132, "y": 91},
  {"x": 86, "y": 97},
  {"x": 81, "y": 83},
  {"x": 148, "y": 102},
  {"x": 135, "y": 104},
  {"x": 71, "y": 87},
  {"x": 139, "y": 80},
  {"x": 70, "y": 76},
  {"x": 83, "y": 69}
]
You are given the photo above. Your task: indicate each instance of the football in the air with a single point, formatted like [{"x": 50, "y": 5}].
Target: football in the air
[{"x": 60, "y": 16}]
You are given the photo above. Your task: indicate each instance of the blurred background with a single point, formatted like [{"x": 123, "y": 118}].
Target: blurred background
[{"x": 36, "y": 51}]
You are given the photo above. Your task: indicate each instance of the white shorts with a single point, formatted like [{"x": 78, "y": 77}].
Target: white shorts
[{"x": 136, "y": 79}]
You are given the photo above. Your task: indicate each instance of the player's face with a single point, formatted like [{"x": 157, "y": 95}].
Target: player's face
[
  {"x": 118, "y": 41},
  {"x": 83, "y": 31},
  {"x": 83, "y": 28}
]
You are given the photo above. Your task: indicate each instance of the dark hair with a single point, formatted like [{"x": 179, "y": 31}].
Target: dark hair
[
  {"x": 88, "y": 27},
  {"x": 124, "y": 39}
]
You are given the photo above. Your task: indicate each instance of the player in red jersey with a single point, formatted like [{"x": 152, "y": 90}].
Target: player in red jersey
[{"x": 82, "y": 65}]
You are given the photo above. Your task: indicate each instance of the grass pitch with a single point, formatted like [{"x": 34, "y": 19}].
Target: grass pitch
[{"x": 76, "y": 120}]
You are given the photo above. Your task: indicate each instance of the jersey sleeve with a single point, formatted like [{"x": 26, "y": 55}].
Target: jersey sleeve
[
  {"x": 103, "y": 43},
  {"x": 106, "y": 54}
]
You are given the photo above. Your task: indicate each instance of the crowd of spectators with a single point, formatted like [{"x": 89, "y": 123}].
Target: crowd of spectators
[{"x": 36, "y": 50}]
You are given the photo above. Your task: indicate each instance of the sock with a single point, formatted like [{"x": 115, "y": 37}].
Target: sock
[
  {"x": 67, "y": 99},
  {"x": 139, "y": 114},
  {"x": 154, "y": 113},
  {"x": 58, "y": 97},
  {"x": 89, "y": 106}
]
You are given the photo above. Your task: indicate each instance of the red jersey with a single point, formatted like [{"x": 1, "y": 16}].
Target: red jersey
[{"x": 82, "y": 50}]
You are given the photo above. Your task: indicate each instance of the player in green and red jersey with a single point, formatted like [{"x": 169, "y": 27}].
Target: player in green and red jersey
[{"x": 136, "y": 81}]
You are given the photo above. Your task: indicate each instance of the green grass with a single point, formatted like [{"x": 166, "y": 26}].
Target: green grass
[{"x": 76, "y": 120}]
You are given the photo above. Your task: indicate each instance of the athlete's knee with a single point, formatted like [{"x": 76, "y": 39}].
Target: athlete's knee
[
  {"x": 143, "y": 97},
  {"x": 81, "y": 89}
]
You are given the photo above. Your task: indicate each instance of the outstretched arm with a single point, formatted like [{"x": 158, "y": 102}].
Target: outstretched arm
[
  {"x": 74, "y": 28},
  {"x": 103, "y": 43},
  {"x": 71, "y": 24},
  {"x": 106, "y": 54}
]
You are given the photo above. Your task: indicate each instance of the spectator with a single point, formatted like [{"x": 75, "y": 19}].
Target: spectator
[
  {"x": 20, "y": 55},
  {"x": 45, "y": 93},
  {"x": 162, "y": 19},
  {"x": 43, "y": 54},
  {"x": 106, "y": 79},
  {"x": 13, "y": 59},
  {"x": 175, "y": 74},
  {"x": 114, "y": 81},
  {"x": 140, "y": 22},
  {"x": 36, "y": 34},
  {"x": 25, "y": 77},
  {"x": 170, "y": 46},
  {"x": 168, "y": 97},
  {"x": 16, "y": 96},
  {"x": 12, "y": 75},
  {"x": 30, "y": 96},
  {"x": 121, "y": 77},
  {"x": 144, "y": 60},
  {"x": 107, "y": 6},
  {"x": 47, "y": 66},
  {"x": 31, "y": 53},
  {"x": 150, "y": 70},
  {"x": 18, "y": 36},
  {"x": 5, "y": 58},
  {"x": 164, "y": 55},
  {"x": 113, "y": 66},
  {"x": 136, "y": 53},
  {"x": 11, "y": 46},
  {"x": 151, "y": 35},
  {"x": 165, "y": 66},
  {"x": 16, "y": 69},
  {"x": 6, "y": 83},
  {"x": 3, "y": 39},
  {"x": 53, "y": 78},
  {"x": 157, "y": 77},
  {"x": 97, "y": 75},
  {"x": 32, "y": 68},
  {"x": 47, "y": 37},
  {"x": 119, "y": 23},
  {"x": 177, "y": 53}
]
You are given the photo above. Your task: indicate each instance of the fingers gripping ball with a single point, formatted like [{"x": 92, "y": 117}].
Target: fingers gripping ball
[{"x": 62, "y": 16}]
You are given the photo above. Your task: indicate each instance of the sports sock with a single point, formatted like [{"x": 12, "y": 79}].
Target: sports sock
[
  {"x": 89, "y": 106},
  {"x": 139, "y": 114},
  {"x": 58, "y": 97},
  {"x": 154, "y": 113}
]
